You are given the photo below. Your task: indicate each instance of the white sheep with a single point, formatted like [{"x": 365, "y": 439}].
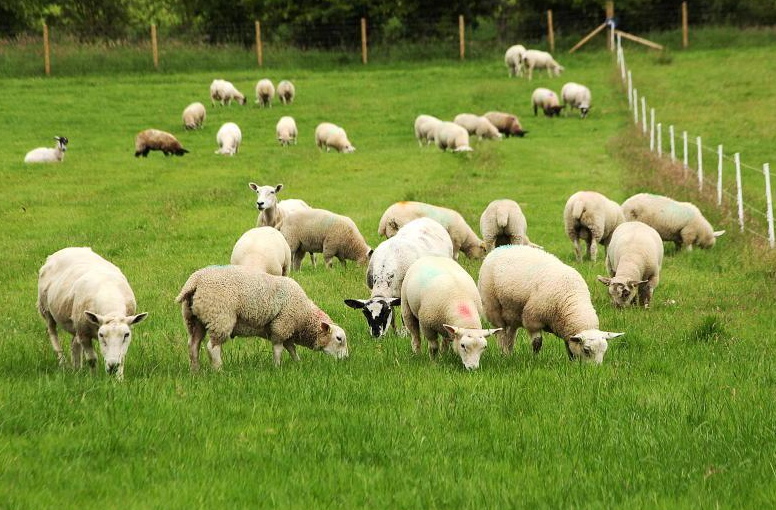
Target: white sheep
[
  {"x": 425, "y": 127},
  {"x": 547, "y": 100},
  {"x": 241, "y": 301},
  {"x": 513, "y": 59},
  {"x": 388, "y": 265},
  {"x": 286, "y": 131},
  {"x": 90, "y": 298},
  {"x": 264, "y": 248},
  {"x": 502, "y": 223},
  {"x": 48, "y": 154},
  {"x": 535, "y": 59},
  {"x": 225, "y": 92},
  {"x": 633, "y": 260},
  {"x": 679, "y": 222},
  {"x": 332, "y": 136},
  {"x": 194, "y": 116},
  {"x": 506, "y": 123},
  {"x": 438, "y": 297},
  {"x": 229, "y": 138},
  {"x": 286, "y": 92},
  {"x": 463, "y": 237},
  {"x": 477, "y": 125},
  {"x": 265, "y": 92},
  {"x": 577, "y": 96},
  {"x": 592, "y": 217},
  {"x": 525, "y": 287},
  {"x": 449, "y": 135}
]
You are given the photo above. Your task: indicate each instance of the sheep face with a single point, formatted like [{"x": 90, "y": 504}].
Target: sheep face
[
  {"x": 332, "y": 340},
  {"x": 61, "y": 142},
  {"x": 266, "y": 196},
  {"x": 348, "y": 149},
  {"x": 706, "y": 241},
  {"x": 477, "y": 251},
  {"x": 114, "y": 335},
  {"x": 469, "y": 344},
  {"x": 378, "y": 312},
  {"x": 591, "y": 344},
  {"x": 621, "y": 291}
]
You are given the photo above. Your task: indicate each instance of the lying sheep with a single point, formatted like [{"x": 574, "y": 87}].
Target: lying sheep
[
  {"x": 388, "y": 265},
  {"x": 506, "y": 123},
  {"x": 633, "y": 260},
  {"x": 286, "y": 131},
  {"x": 449, "y": 135},
  {"x": 679, "y": 222},
  {"x": 194, "y": 116},
  {"x": 592, "y": 217},
  {"x": 156, "y": 140},
  {"x": 90, "y": 298},
  {"x": 578, "y": 96},
  {"x": 547, "y": 100},
  {"x": 229, "y": 138},
  {"x": 463, "y": 237},
  {"x": 265, "y": 92},
  {"x": 513, "y": 59},
  {"x": 535, "y": 59},
  {"x": 438, "y": 297},
  {"x": 425, "y": 127},
  {"x": 47, "y": 154},
  {"x": 476, "y": 125},
  {"x": 286, "y": 92},
  {"x": 224, "y": 92},
  {"x": 263, "y": 248},
  {"x": 524, "y": 287},
  {"x": 240, "y": 301},
  {"x": 502, "y": 223},
  {"x": 322, "y": 231},
  {"x": 332, "y": 136}
]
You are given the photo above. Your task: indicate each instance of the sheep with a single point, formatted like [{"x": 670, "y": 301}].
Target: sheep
[
  {"x": 522, "y": 286},
  {"x": 540, "y": 60},
  {"x": 90, "y": 298},
  {"x": 633, "y": 260},
  {"x": 513, "y": 59},
  {"x": 241, "y": 301},
  {"x": 389, "y": 264},
  {"x": 438, "y": 297},
  {"x": 425, "y": 127},
  {"x": 286, "y": 131},
  {"x": 679, "y": 222},
  {"x": 502, "y": 223},
  {"x": 224, "y": 92},
  {"x": 156, "y": 140},
  {"x": 194, "y": 116},
  {"x": 332, "y": 136},
  {"x": 506, "y": 123},
  {"x": 286, "y": 92},
  {"x": 264, "y": 248},
  {"x": 476, "y": 125},
  {"x": 265, "y": 92},
  {"x": 547, "y": 100},
  {"x": 229, "y": 138},
  {"x": 578, "y": 96},
  {"x": 47, "y": 154},
  {"x": 322, "y": 231},
  {"x": 449, "y": 135},
  {"x": 593, "y": 217}
]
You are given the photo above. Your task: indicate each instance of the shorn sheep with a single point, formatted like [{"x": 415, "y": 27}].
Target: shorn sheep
[
  {"x": 577, "y": 96},
  {"x": 425, "y": 127},
  {"x": 503, "y": 222},
  {"x": 592, "y": 217},
  {"x": 525, "y": 287},
  {"x": 286, "y": 92},
  {"x": 679, "y": 222},
  {"x": 264, "y": 248},
  {"x": 224, "y": 92},
  {"x": 535, "y": 59},
  {"x": 265, "y": 93},
  {"x": 90, "y": 298},
  {"x": 477, "y": 125},
  {"x": 331, "y": 136},
  {"x": 229, "y": 138},
  {"x": 513, "y": 59},
  {"x": 241, "y": 301},
  {"x": 194, "y": 116},
  {"x": 286, "y": 131},
  {"x": 48, "y": 154},
  {"x": 156, "y": 140},
  {"x": 449, "y": 135},
  {"x": 506, "y": 123},
  {"x": 547, "y": 101}
]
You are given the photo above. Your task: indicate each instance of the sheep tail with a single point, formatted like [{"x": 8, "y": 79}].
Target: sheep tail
[
  {"x": 381, "y": 227},
  {"x": 578, "y": 210},
  {"x": 188, "y": 290},
  {"x": 502, "y": 217}
]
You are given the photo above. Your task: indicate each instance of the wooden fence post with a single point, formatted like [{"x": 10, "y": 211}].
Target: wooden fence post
[
  {"x": 685, "y": 28},
  {"x": 259, "y": 49},
  {"x": 610, "y": 15},
  {"x": 461, "y": 36},
  {"x": 363, "y": 41},
  {"x": 550, "y": 31},
  {"x": 154, "y": 46},
  {"x": 46, "y": 50}
]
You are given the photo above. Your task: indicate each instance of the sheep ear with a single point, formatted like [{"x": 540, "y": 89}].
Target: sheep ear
[
  {"x": 95, "y": 319},
  {"x": 278, "y": 188},
  {"x": 608, "y": 335},
  {"x": 489, "y": 332},
  {"x": 576, "y": 338},
  {"x": 395, "y": 302},
  {"x": 253, "y": 186},
  {"x": 369, "y": 254},
  {"x": 356, "y": 304},
  {"x": 634, "y": 283},
  {"x": 452, "y": 330},
  {"x": 134, "y": 319},
  {"x": 325, "y": 327},
  {"x": 719, "y": 233},
  {"x": 604, "y": 280}
]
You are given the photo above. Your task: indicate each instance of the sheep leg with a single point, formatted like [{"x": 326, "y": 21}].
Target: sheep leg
[
  {"x": 291, "y": 348},
  {"x": 530, "y": 71},
  {"x": 413, "y": 325},
  {"x": 506, "y": 339},
  {"x": 89, "y": 354},
  {"x": 297, "y": 259},
  {"x": 51, "y": 328},
  {"x": 277, "y": 351},
  {"x": 196, "y": 334},
  {"x": 592, "y": 249},
  {"x": 433, "y": 342},
  {"x": 312, "y": 259},
  {"x": 536, "y": 110},
  {"x": 568, "y": 351},
  {"x": 75, "y": 351},
  {"x": 536, "y": 340},
  {"x": 214, "y": 350}
]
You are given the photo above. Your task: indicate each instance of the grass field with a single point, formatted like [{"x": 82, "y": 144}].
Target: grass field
[{"x": 679, "y": 415}]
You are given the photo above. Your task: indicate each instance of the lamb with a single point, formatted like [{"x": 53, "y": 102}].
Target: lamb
[
  {"x": 388, "y": 265},
  {"x": 463, "y": 237},
  {"x": 449, "y": 135},
  {"x": 540, "y": 60},
  {"x": 633, "y": 261},
  {"x": 578, "y": 96},
  {"x": 47, "y": 154},
  {"x": 425, "y": 127},
  {"x": 229, "y": 138},
  {"x": 438, "y": 297},
  {"x": 263, "y": 248},
  {"x": 332, "y": 136},
  {"x": 286, "y": 131},
  {"x": 502, "y": 223},
  {"x": 156, "y": 140},
  {"x": 506, "y": 123},
  {"x": 525, "y": 287},
  {"x": 680, "y": 222},
  {"x": 194, "y": 116},
  {"x": 476, "y": 125},
  {"x": 286, "y": 92},
  {"x": 241, "y": 301},
  {"x": 322, "y": 231},
  {"x": 513, "y": 59},
  {"x": 224, "y": 92},
  {"x": 265, "y": 92},
  {"x": 90, "y": 298},
  {"x": 547, "y": 100},
  {"x": 593, "y": 217}
]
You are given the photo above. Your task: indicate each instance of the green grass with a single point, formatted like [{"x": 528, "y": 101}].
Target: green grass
[{"x": 679, "y": 415}]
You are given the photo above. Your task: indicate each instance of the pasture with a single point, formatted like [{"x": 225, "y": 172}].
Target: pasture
[{"x": 679, "y": 415}]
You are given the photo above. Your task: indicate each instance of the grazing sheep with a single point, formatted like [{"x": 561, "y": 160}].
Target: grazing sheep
[
  {"x": 322, "y": 231},
  {"x": 513, "y": 59},
  {"x": 633, "y": 260},
  {"x": 286, "y": 131},
  {"x": 265, "y": 92},
  {"x": 425, "y": 127},
  {"x": 90, "y": 298},
  {"x": 449, "y": 135},
  {"x": 679, "y": 222},
  {"x": 578, "y": 96},
  {"x": 224, "y": 92},
  {"x": 502, "y": 223},
  {"x": 593, "y": 217},
  {"x": 229, "y": 138},
  {"x": 332, "y": 136},
  {"x": 476, "y": 125},
  {"x": 194, "y": 116},
  {"x": 463, "y": 237},
  {"x": 241, "y": 301},
  {"x": 524, "y": 287},
  {"x": 547, "y": 100},
  {"x": 506, "y": 123},
  {"x": 388, "y": 265},
  {"x": 286, "y": 92},
  {"x": 47, "y": 154},
  {"x": 263, "y": 248},
  {"x": 438, "y": 297},
  {"x": 156, "y": 140},
  {"x": 535, "y": 59}
]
